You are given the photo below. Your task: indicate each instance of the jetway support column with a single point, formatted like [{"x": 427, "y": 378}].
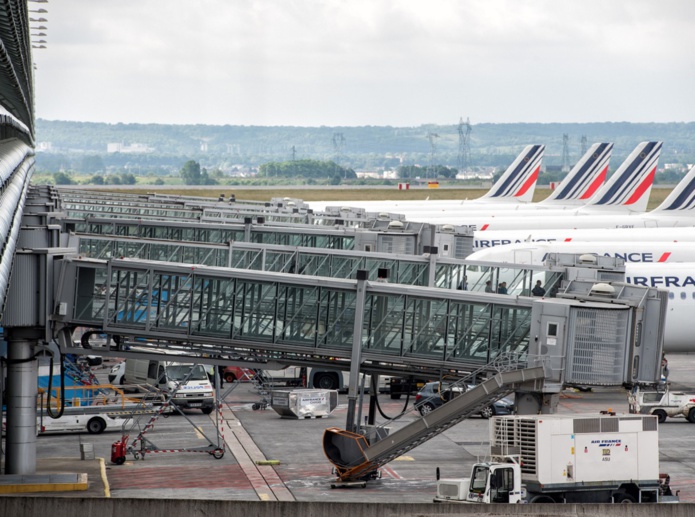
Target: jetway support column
[
  {"x": 22, "y": 371},
  {"x": 356, "y": 357}
]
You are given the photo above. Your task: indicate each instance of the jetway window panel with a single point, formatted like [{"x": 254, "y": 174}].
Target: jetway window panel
[
  {"x": 213, "y": 303},
  {"x": 337, "y": 314},
  {"x": 597, "y": 346},
  {"x": 510, "y": 330},
  {"x": 279, "y": 262},
  {"x": 95, "y": 248},
  {"x": 411, "y": 273},
  {"x": 425, "y": 326},
  {"x": 469, "y": 331},
  {"x": 255, "y": 310},
  {"x": 384, "y": 323},
  {"x": 339, "y": 267},
  {"x": 129, "y": 301},
  {"x": 323, "y": 265},
  {"x": 296, "y": 315},
  {"x": 247, "y": 259}
]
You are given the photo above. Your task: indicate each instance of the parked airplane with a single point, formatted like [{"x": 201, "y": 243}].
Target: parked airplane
[
  {"x": 516, "y": 185},
  {"x": 677, "y": 210},
  {"x": 659, "y": 271},
  {"x": 503, "y": 237},
  {"x": 535, "y": 253},
  {"x": 626, "y": 192},
  {"x": 582, "y": 184}
]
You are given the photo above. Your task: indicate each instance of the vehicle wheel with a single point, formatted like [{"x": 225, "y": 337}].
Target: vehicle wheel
[
  {"x": 426, "y": 408},
  {"x": 256, "y": 406},
  {"x": 229, "y": 377},
  {"x": 623, "y": 498},
  {"x": 207, "y": 410},
  {"x": 119, "y": 461},
  {"x": 691, "y": 415},
  {"x": 395, "y": 396},
  {"x": 660, "y": 415},
  {"x": 542, "y": 499},
  {"x": 487, "y": 412},
  {"x": 217, "y": 454},
  {"x": 326, "y": 381},
  {"x": 96, "y": 425}
]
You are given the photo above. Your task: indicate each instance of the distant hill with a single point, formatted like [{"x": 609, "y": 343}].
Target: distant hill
[{"x": 159, "y": 148}]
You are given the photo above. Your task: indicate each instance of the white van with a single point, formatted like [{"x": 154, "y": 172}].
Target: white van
[{"x": 196, "y": 393}]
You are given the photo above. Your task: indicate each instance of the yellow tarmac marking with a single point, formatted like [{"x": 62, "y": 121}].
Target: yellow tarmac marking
[
  {"x": 404, "y": 458},
  {"x": 104, "y": 478},
  {"x": 82, "y": 484}
]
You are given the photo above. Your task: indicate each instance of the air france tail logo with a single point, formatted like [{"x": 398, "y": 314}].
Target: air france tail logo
[
  {"x": 588, "y": 175},
  {"x": 523, "y": 175},
  {"x": 685, "y": 199},
  {"x": 630, "y": 182}
]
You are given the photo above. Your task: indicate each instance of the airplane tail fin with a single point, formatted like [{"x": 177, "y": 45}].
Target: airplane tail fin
[
  {"x": 584, "y": 180},
  {"x": 519, "y": 180},
  {"x": 681, "y": 198},
  {"x": 629, "y": 186}
]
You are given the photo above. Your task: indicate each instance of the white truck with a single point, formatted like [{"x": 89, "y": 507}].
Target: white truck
[
  {"x": 196, "y": 393},
  {"x": 318, "y": 378},
  {"x": 661, "y": 402},
  {"x": 566, "y": 459}
]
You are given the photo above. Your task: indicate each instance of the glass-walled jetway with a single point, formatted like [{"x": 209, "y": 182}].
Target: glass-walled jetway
[
  {"x": 381, "y": 231},
  {"x": 272, "y": 316},
  {"x": 410, "y": 239},
  {"x": 429, "y": 271},
  {"x": 234, "y": 311}
]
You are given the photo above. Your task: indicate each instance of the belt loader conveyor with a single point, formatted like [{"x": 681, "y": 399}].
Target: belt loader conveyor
[{"x": 355, "y": 460}]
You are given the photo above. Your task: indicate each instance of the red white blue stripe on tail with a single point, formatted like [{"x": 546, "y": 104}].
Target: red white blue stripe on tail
[
  {"x": 519, "y": 180},
  {"x": 631, "y": 184},
  {"x": 682, "y": 197},
  {"x": 586, "y": 177}
]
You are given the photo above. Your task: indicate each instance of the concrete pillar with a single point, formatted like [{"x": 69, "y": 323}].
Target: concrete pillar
[{"x": 22, "y": 371}]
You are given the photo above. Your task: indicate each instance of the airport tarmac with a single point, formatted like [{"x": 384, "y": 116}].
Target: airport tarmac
[{"x": 269, "y": 458}]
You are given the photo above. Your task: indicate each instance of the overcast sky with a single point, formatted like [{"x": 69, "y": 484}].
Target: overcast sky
[{"x": 366, "y": 62}]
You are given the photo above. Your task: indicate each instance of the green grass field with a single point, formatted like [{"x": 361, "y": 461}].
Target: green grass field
[{"x": 344, "y": 194}]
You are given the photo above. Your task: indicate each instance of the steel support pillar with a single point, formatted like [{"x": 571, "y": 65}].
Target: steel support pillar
[
  {"x": 22, "y": 371},
  {"x": 356, "y": 357}
]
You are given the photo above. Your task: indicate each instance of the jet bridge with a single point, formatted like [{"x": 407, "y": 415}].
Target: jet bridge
[
  {"x": 342, "y": 228},
  {"x": 430, "y": 270},
  {"x": 292, "y": 319}
]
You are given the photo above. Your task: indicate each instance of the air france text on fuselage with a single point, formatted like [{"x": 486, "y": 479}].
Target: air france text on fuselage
[{"x": 662, "y": 281}]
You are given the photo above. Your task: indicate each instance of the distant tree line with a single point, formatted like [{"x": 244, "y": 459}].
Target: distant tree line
[{"x": 308, "y": 169}]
